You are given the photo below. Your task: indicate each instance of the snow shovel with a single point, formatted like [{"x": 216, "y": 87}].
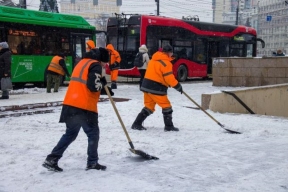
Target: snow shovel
[
  {"x": 132, "y": 149},
  {"x": 221, "y": 125}
]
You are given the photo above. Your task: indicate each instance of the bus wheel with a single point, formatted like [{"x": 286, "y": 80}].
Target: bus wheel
[{"x": 182, "y": 73}]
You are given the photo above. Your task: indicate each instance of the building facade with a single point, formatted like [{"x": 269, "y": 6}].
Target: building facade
[
  {"x": 96, "y": 12},
  {"x": 268, "y": 17},
  {"x": 273, "y": 25}
]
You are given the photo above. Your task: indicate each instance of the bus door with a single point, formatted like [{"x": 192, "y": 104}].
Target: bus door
[
  {"x": 78, "y": 46},
  {"x": 213, "y": 51}
]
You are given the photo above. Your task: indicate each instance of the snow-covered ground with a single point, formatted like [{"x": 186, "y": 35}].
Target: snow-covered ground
[{"x": 201, "y": 157}]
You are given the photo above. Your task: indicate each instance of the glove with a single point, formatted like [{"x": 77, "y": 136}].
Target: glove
[
  {"x": 117, "y": 65},
  {"x": 111, "y": 67},
  {"x": 103, "y": 81},
  {"x": 103, "y": 92},
  {"x": 179, "y": 88}
]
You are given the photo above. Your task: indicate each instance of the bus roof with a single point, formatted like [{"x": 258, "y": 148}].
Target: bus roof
[
  {"x": 17, "y": 15},
  {"x": 199, "y": 27}
]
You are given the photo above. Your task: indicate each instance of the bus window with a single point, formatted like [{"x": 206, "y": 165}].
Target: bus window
[
  {"x": 236, "y": 50},
  {"x": 132, "y": 43},
  {"x": 249, "y": 50},
  {"x": 200, "y": 51}
]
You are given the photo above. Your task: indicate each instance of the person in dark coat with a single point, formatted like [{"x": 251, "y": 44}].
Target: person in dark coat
[
  {"x": 80, "y": 109},
  {"x": 5, "y": 65},
  {"x": 280, "y": 53}
]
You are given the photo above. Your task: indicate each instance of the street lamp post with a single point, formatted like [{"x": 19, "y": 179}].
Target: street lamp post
[
  {"x": 258, "y": 16},
  {"x": 158, "y": 6},
  {"x": 237, "y": 12}
]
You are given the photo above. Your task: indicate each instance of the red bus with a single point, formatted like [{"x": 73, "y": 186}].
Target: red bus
[{"x": 194, "y": 43}]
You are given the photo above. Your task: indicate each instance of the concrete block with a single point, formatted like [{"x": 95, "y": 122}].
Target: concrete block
[
  {"x": 238, "y": 72},
  {"x": 251, "y": 63},
  {"x": 276, "y": 72},
  {"x": 281, "y": 80},
  {"x": 268, "y": 81},
  {"x": 237, "y": 63},
  {"x": 271, "y": 62},
  {"x": 219, "y": 62},
  {"x": 259, "y": 72},
  {"x": 236, "y": 81},
  {"x": 205, "y": 101},
  {"x": 252, "y": 81},
  {"x": 281, "y": 62}
]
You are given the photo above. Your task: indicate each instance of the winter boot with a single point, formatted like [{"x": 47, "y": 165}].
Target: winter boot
[
  {"x": 137, "y": 125},
  {"x": 52, "y": 164},
  {"x": 113, "y": 85},
  {"x": 168, "y": 123},
  {"x": 96, "y": 166}
]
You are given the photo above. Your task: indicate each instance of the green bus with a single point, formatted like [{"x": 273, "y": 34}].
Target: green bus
[{"x": 34, "y": 37}]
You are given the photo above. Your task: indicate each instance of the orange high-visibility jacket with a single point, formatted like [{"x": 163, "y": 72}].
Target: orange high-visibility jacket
[
  {"x": 78, "y": 95},
  {"x": 159, "y": 75},
  {"x": 55, "y": 66},
  {"x": 114, "y": 55}
]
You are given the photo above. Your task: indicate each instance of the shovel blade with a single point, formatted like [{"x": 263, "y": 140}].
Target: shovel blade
[
  {"x": 143, "y": 154},
  {"x": 231, "y": 131}
]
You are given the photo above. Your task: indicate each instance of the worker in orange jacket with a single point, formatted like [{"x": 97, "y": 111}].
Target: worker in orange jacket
[
  {"x": 114, "y": 65},
  {"x": 158, "y": 77},
  {"x": 56, "y": 71},
  {"x": 90, "y": 45},
  {"x": 80, "y": 109}
]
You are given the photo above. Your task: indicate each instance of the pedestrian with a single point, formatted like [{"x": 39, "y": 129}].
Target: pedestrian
[
  {"x": 114, "y": 65},
  {"x": 159, "y": 76},
  {"x": 90, "y": 45},
  {"x": 280, "y": 53},
  {"x": 142, "y": 70},
  {"x": 56, "y": 71},
  {"x": 80, "y": 109},
  {"x": 5, "y": 66}
]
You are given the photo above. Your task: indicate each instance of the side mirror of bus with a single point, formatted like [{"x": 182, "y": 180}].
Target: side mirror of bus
[{"x": 262, "y": 42}]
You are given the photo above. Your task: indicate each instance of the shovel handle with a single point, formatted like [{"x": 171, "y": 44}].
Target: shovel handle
[
  {"x": 118, "y": 115},
  {"x": 202, "y": 109}
]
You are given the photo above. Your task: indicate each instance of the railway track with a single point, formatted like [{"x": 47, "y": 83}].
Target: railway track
[{"x": 40, "y": 108}]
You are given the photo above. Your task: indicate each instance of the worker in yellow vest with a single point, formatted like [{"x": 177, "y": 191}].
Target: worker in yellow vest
[{"x": 56, "y": 71}]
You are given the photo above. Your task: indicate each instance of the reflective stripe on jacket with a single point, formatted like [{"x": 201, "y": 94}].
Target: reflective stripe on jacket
[
  {"x": 159, "y": 75},
  {"x": 78, "y": 95},
  {"x": 55, "y": 66}
]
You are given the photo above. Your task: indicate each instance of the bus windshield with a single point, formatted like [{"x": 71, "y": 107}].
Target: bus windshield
[{"x": 34, "y": 37}]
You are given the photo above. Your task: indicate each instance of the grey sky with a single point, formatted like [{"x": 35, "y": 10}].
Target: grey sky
[{"x": 168, "y": 8}]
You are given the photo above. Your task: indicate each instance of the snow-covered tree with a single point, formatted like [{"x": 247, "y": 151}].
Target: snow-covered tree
[
  {"x": 8, "y": 3},
  {"x": 49, "y": 6}
]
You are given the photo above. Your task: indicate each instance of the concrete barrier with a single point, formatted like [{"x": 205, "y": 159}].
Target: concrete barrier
[
  {"x": 269, "y": 100},
  {"x": 249, "y": 72}
]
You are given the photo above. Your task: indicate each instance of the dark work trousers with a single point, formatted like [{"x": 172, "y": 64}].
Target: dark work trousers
[
  {"x": 53, "y": 78},
  {"x": 73, "y": 125},
  {"x": 142, "y": 74}
]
